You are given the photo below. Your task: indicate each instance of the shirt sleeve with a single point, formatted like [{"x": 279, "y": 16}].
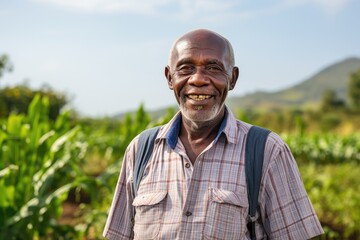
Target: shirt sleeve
[
  {"x": 286, "y": 210},
  {"x": 119, "y": 222}
]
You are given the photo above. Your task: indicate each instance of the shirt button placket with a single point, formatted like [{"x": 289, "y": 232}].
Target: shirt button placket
[{"x": 189, "y": 199}]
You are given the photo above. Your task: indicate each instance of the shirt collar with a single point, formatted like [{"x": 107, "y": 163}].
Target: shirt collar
[
  {"x": 173, "y": 133},
  {"x": 172, "y": 129}
]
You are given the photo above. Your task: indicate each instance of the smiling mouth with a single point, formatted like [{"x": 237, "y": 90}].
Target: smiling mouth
[{"x": 198, "y": 97}]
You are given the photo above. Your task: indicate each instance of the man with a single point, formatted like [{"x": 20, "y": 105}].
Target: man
[{"x": 194, "y": 185}]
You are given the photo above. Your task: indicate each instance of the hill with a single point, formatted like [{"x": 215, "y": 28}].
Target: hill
[{"x": 307, "y": 94}]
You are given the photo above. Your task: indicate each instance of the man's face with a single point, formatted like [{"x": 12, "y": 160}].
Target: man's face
[{"x": 200, "y": 74}]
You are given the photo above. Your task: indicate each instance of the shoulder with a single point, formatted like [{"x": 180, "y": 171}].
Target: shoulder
[
  {"x": 276, "y": 147},
  {"x": 140, "y": 141},
  {"x": 130, "y": 152},
  {"x": 276, "y": 151},
  {"x": 273, "y": 139}
]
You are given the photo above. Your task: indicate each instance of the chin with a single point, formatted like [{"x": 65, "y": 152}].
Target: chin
[{"x": 199, "y": 114}]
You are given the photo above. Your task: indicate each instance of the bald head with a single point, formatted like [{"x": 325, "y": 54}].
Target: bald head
[{"x": 198, "y": 38}]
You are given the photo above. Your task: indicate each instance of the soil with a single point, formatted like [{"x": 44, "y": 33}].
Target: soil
[{"x": 68, "y": 214}]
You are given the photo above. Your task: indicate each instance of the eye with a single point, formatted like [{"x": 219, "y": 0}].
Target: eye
[
  {"x": 185, "y": 69},
  {"x": 214, "y": 68}
]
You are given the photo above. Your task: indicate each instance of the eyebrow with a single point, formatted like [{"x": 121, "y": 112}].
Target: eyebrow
[
  {"x": 184, "y": 61},
  {"x": 191, "y": 61}
]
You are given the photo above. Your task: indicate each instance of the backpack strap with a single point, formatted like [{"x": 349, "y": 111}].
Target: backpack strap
[
  {"x": 254, "y": 157},
  {"x": 144, "y": 150}
]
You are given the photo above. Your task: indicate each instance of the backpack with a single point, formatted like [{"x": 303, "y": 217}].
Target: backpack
[{"x": 254, "y": 156}]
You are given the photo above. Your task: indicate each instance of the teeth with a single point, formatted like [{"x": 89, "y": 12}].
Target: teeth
[{"x": 199, "y": 97}]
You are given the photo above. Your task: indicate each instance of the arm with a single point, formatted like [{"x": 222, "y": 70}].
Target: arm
[
  {"x": 119, "y": 223},
  {"x": 286, "y": 210}
]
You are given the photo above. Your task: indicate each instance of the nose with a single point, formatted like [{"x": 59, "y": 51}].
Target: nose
[{"x": 199, "y": 78}]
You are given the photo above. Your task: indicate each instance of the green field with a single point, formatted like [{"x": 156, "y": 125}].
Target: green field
[{"x": 57, "y": 177}]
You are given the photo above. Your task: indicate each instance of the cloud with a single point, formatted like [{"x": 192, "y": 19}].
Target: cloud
[
  {"x": 108, "y": 5},
  {"x": 185, "y": 7},
  {"x": 204, "y": 11},
  {"x": 329, "y": 6},
  {"x": 201, "y": 10}
]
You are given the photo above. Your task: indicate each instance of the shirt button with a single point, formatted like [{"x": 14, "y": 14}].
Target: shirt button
[
  {"x": 188, "y": 214},
  {"x": 187, "y": 165}
]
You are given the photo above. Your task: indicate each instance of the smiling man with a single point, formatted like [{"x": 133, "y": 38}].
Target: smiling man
[{"x": 194, "y": 184}]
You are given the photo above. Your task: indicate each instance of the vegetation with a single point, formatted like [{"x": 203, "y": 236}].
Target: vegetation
[
  {"x": 40, "y": 164},
  {"x": 45, "y": 164},
  {"x": 5, "y": 65},
  {"x": 18, "y": 98},
  {"x": 334, "y": 190},
  {"x": 330, "y": 101},
  {"x": 52, "y": 160},
  {"x": 305, "y": 95},
  {"x": 354, "y": 89}
]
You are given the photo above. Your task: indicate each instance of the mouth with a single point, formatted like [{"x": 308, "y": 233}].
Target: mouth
[{"x": 198, "y": 97}]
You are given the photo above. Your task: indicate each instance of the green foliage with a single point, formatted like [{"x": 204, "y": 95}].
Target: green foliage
[
  {"x": 5, "y": 65},
  {"x": 330, "y": 101},
  {"x": 335, "y": 193},
  {"x": 169, "y": 114},
  {"x": 324, "y": 148},
  {"x": 354, "y": 89},
  {"x": 44, "y": 162},
  {"x": 109, "y": 138},
  {"x": 329, "y": 121},
  {"x": 39, "y": 165},
  {"x": 340, "y": 120},
  {"x": 305, "y": 95},
  {"x": 133, "y": 125},
  {"x": 18, "y": 98}
]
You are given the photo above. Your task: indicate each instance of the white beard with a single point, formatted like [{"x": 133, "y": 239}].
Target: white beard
[{"x": 200, "y": 115}]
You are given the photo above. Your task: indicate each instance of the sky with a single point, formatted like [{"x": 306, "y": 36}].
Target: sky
[{"x": 108, "y": 56}]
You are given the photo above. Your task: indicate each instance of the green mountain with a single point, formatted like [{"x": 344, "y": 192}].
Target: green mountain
[{"x": 307, "y": 94}]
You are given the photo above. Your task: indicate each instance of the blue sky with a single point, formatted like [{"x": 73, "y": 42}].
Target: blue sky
[{"x": 109, "y": 55}]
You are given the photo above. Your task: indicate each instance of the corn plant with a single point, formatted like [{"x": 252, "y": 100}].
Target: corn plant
[
  {"x": 39, "y": 164},
  {"x": 335, "y": 192},
  {"x": 105, "y": 151},
  {"x": 325, "y": 148}
]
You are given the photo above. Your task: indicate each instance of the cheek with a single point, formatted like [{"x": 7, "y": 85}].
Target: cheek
[
  {"x": 222, "y": 86},
  {"x": 177, "y": 86}
]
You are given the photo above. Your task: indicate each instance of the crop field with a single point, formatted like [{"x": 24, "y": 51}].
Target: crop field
[{"x": 57, "y": 177}]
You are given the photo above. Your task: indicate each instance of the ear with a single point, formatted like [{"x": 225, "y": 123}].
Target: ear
[
  {"x": 168, "y": 77},
  {"x": 234, "y": 77}
]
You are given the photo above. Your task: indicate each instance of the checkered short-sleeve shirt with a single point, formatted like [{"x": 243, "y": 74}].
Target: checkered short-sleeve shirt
[{"x": 208, "y": 199}]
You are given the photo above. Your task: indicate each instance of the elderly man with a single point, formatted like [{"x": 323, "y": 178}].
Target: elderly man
[{"x": 194, "y": 184}]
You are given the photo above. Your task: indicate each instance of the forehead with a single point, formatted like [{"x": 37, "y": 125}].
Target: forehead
[{"x": 208, "y": 47}]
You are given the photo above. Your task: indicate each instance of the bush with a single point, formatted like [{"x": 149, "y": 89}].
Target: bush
[
  {"x": 40, "y": 163},
  {"x": 335, "y": 193}
]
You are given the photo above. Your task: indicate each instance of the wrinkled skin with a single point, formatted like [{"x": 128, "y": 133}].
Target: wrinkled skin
[{"x": 201, "y": 72}]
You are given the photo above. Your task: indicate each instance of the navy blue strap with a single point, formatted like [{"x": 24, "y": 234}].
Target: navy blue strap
[
  {"x": 254, "y": 157},
  {"x": 144, "y": 150}
]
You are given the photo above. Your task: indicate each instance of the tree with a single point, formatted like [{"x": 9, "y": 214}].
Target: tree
[
  {"x": 354, "y": 89},
  {"x": 5, "y": 65},
  {"x": 330, "y": 101},
  {"x": 18, "y": 98}
]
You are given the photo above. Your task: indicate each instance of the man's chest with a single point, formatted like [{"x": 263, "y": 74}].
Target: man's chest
[{"x": 208, "y": 197}]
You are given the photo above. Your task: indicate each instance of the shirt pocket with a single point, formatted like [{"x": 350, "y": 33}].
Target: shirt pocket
[
  {"x": 149, "y": 213},
  {"x": 226, "y": 215}
]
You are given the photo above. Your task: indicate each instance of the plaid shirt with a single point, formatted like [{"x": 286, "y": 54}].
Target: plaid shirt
[{"x": 208, "y": 199}]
